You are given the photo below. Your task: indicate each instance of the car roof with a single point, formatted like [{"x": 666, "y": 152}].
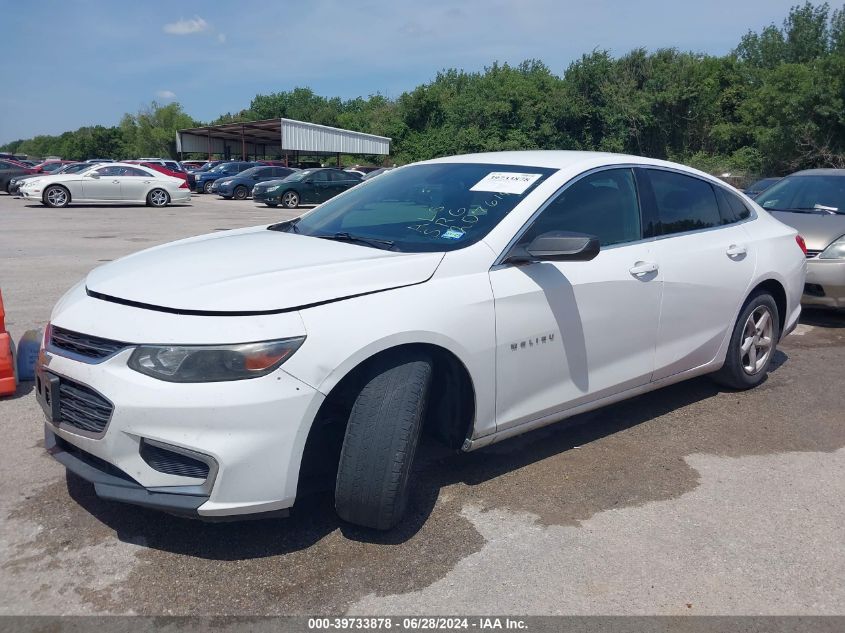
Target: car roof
[
  {"x": 555, "y": 159},
  {"x": 820, "y": 172}
]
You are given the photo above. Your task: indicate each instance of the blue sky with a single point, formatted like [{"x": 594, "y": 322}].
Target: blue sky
[{"x": 87, "y": 62}]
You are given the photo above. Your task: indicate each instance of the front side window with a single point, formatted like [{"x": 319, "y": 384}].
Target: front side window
[
  {"x": 424, "y": 208},
  {"x": 320, "y": 176},
  {"x": 603, "y": 204},
  {"x": 684, "y": 203},
  {"x": 109, "y": 171}
]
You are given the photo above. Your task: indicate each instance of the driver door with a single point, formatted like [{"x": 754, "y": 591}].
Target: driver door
[
  {"x": 106, "y": 187},
  {"x": 570, "y": 332}
]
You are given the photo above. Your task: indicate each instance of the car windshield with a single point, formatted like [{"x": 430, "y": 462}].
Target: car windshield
[
  {"x": 807, "y": 194},
  {"x": 252, "y": 171},
  {"x": 299, "y": 175},
  {"x": 422, "y": 208}
]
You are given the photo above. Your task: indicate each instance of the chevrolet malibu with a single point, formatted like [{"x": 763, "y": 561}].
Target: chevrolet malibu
[{"x": 468, "y": 299}]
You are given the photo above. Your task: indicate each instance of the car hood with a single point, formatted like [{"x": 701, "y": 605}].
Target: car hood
[
  {"x": 255, "y": 270},
  {"x": 817, "y": 230}
]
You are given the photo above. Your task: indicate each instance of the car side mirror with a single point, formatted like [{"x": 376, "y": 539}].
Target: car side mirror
[
  {"x": 557, "y": 246},
  {"x": 94, "y": 175}
]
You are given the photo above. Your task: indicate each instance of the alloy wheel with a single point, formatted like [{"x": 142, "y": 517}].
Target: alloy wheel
[
  {"x": 57, "y": 197},
  {"x": 757, "y": 340},
  {"x": 158, "y": 198},
  {"x": 290, "y": 199}
]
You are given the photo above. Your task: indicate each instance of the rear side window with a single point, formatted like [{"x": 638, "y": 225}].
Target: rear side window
[
  {"x": 340, "y": 176},
  {"x": 684, "y": 203},
  {"x": 604, "y": 204},
  {"x": 732, "y": 207}
]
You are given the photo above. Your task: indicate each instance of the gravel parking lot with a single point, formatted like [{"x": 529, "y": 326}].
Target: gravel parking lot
[{"x": 687, "y": 500}]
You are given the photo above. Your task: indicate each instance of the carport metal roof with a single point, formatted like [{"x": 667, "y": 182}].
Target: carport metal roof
[{"x": 278, "y": 137}]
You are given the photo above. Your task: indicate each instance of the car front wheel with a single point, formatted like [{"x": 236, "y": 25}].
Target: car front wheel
[
  {"x": 56, "y": 197},
  {"x": 207, "y": 187},
  {"x": 380, "y": 442},
  {"x": 290, "y": 199},
  {"x": 753, "y": 344},
  {"x": 241, "y": 192}
]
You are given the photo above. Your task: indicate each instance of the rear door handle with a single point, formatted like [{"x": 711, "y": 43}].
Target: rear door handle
[
  {"x": 736, "y": 250},
  {"x": 643, "y": 268}
]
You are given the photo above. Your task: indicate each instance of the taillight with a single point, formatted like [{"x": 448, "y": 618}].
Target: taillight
[
  {"x": 184, "y": 185},
  {"x": 801, "y": 243}
]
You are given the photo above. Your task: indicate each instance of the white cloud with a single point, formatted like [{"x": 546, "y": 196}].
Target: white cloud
[
  {"x": 166, "y": 94},
  {"x": 221, "y": 37},
  {"x": 186, "y": 27}
]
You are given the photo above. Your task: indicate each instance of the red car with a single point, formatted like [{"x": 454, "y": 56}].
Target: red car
[
  {"x": 49, "y": 166},
  {"x": 189, "y": 178}
]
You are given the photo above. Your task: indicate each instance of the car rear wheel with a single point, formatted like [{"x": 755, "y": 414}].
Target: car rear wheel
[
  {"x": 158, "y": 198},
  {"x": 753, "y": 344},
  {"x": 207, "y": 186},
  {"x": 241, "y": 192},
  {"x": 380, "y": 442},
  {"x": 56, "y": 197},
  {"x": 290, "y": 199}
]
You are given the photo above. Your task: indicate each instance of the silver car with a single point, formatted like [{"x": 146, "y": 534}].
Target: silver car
[{"x": 813, "y": 202}]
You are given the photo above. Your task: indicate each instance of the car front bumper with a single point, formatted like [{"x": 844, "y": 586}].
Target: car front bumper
[
  {"x": 825, "y": 283},
  {"x": 250, "y": 432},
  {"x": 265, "y": 197}
]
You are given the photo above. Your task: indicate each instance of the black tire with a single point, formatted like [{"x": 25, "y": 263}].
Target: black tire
[
  {"x": 56, "y": 197},
  {"x": 290, "y": 199},
  {"x": 241, "y": 192},
  {"x": 206, "y": 188},
  {"x": 158, "y": 198},
  {"x": 735, "y": 372},
  {"x": 381, "y": 439}
]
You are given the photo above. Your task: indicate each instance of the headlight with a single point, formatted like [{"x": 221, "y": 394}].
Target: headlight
[
  {"x": 224, "y": 182},
  {"x": 273, "y": 188},
  {"x": 835, "y": 250},
  {"x": 212, "y": 363}
]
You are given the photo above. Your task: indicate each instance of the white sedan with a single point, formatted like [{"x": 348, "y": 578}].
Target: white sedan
[
  {"x": 469, "y": 298},
  {"x": 111, "y": 183}
]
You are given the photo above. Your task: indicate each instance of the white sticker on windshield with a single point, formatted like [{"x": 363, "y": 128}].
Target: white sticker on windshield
[{"x": 505, "y": 182}]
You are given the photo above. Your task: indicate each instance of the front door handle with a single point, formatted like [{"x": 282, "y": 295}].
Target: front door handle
[
  {"x": 643, "y": 268},
  {"x": 736, "y": 250},
  {"x": 115, "y": 182}
]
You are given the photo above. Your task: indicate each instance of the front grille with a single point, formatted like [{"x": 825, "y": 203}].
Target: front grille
[
  {"x": 83, "y": 408},
  {"x": 172, "y": 463},
  {"x": 85, "y": 345},
  {"x": 812, "y": 253}
]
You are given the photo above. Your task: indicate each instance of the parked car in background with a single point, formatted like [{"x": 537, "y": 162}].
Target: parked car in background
[
  {"x": 51, "y": 166},
  {"x": 309, "y": 186},
  {"x": 69, "y": 168},
  {"x": 205, "y": 179},
  {"x": 760, "y": 186},
  {"x": 274, "y": 163},
  {"x": 466, "y": 299},
  {"x": 115, "y": 183},
  {"x": 100, "y": 160},
  {"x": 377, "y": 172},
  {"x": 240, "y": 185},
  {"x": 813, "y": 202},
  {"x": 208, "y": 165},
  {"x": 159, "y": 166},
  {"x": 192, "y": 164},
  {"x": 10, "y": 169}
]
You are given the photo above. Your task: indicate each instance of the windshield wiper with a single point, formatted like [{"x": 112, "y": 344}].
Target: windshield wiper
[
  {"x": 288, "y": 226},
  {"x": 819, "y": 210},
  {"x": 369, "y": 241}
]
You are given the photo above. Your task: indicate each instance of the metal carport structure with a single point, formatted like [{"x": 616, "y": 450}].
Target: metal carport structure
[{"x": 284, "y": 138}]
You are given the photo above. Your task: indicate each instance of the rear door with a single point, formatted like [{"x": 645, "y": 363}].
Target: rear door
[
  {"x": 707, "y": 263},
  {"x": 135, "y": 183}
]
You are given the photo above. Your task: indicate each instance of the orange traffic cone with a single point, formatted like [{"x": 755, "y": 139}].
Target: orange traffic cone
[{"x": 8, "y": 381}]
